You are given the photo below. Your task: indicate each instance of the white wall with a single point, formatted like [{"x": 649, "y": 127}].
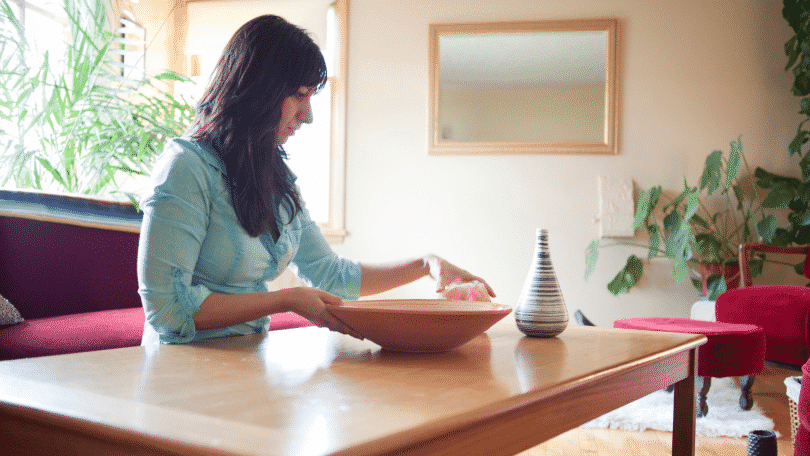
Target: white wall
[{"x": 694, "y": 75}]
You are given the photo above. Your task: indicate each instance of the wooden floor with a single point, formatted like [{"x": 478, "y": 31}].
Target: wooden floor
[{"x": 769, "y": 393}]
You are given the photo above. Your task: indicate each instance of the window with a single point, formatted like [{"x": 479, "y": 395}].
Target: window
[
  {"x": 314, "y": 156},
  {"x": 131, "y": 46},
  {"x": 64, "y": 124},
  {"x": 44, "y": 25},
  {"x": 317, "y": 154}
]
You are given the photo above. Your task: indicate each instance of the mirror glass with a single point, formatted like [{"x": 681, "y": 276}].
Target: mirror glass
[{"x": 523, "y": 87}]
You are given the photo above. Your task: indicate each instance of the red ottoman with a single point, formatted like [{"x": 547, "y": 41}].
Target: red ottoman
[{"x": 733, "y": 350}]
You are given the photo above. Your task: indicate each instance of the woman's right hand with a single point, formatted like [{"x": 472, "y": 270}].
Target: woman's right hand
[{"x": 311, "y": 303}]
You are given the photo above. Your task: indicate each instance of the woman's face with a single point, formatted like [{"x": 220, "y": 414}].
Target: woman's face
[{"x": 295, "y": 110}]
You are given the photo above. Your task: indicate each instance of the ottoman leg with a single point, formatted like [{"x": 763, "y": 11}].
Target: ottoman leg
[
  {"x": 702, "y": 406},
  {"x": 746, "y": 401}
]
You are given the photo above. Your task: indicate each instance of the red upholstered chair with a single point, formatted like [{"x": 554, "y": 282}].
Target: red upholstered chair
[
  {"x": 781, "y": 310},
  {"x": 801, "y": 442}
]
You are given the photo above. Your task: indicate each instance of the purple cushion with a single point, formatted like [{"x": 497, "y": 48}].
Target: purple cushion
[
  {"x": 50, "y": 269},
  {"x": 72, "y": 333},
  {"x": 92, "y": 331}
]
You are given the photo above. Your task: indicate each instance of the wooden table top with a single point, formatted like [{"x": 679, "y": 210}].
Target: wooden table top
[{"x": 309, "y": 391}]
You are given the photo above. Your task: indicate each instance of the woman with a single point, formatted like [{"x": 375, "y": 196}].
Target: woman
[{"x": 224, "y": 215}]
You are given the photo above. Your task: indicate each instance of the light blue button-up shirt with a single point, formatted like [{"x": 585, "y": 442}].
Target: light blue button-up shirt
[{"x": 192, "y": 244}]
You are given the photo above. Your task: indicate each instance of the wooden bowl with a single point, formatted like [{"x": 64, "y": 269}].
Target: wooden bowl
[{"x": 419, "y": 325}]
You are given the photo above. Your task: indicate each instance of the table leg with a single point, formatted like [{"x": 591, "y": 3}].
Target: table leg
[{"x": 684, "y": 416}]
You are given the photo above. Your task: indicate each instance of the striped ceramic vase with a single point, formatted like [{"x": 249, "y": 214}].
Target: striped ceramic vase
[{"x": 541, "y": 310}]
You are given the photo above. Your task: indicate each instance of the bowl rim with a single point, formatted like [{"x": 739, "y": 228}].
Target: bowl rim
[{"x": 464, "y": 307}]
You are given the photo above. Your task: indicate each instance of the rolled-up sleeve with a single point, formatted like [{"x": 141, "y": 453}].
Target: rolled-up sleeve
[
  {"x": 318, "y": 266},
  {"x": 174, "y": 226}
]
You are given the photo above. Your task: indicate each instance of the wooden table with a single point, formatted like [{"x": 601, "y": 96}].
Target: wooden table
[{"x": 308, "y": 391}]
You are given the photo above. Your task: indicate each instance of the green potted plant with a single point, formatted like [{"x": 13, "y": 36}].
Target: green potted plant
[
  {"x": 699, "y": 229},
  {"x": 691, "y": 238},
  {"x": 81, "y": 128},
  {"x": 787, "y": 192}
]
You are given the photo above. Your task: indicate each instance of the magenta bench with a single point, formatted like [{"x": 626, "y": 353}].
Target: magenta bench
[{"x": 68, "y": 265}]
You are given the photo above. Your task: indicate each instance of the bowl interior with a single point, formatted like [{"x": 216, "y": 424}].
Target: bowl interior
[
  {"x": 424, "y": 306},
  {"x": 419, "y": 325}
]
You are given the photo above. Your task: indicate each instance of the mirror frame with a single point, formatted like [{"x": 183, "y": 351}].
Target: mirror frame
[{"x": 437, "y": 146}]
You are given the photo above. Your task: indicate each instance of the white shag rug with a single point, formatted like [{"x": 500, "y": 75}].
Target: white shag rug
[{"x": 655, "y": 412}]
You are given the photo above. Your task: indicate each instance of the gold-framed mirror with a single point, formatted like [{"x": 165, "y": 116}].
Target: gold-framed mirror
[{"x": 528, "y": 87}]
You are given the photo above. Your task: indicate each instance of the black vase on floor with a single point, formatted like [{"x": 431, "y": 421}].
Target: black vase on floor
[{"x": 761, "y": 443}]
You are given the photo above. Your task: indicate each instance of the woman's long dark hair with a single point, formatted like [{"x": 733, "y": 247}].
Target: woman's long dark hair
[{"x": 266, "y": 60}]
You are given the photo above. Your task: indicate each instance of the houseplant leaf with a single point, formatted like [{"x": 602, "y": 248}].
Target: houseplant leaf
[
  {"x": 172, "y": 76},
  {"x": 767, "y": 179},
  {"x": 691, "y": 207},
  {"x": 647, "y": 199},
  {"x": 766, "y": 228},
  {"x": 708, "y": 247},
  {"x": 51, "y": 169},
  {"x": 802, "y": 236},
  {"x": 780, "y": 196},
  {"x": 700, "y": 222},
  {"x": 782, "y": 237},
  {"x": 803, "y": 192},
  {"x": 627, "y": 277},
  {"x": 804, "y": 165},
  {"x": 733, "y": 165},
  {"x": 680, "y": 269},
  {"x": 739, "y": 196},
  {"x": 710, "y": 179},
  {"x": 591, "y": 256},
  {"x": 655, "y": 241},
  {"x": 687, "y": 191},
  {"x": 677, "y": 237},
  {"x": 757, "y": 265},
  {"x": 802, "y": 136},
  {"x": 792, "y": 51},
  {"x": 715, "y": 286},
  {"x": 800, "y": 218}
]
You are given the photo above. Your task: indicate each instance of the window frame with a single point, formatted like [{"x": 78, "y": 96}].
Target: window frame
[{"x": 334, "y": 228}]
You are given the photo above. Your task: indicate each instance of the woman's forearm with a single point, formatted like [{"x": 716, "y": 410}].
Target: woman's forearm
[
  {"x": 221, "y": 310},
  {"x": 377, "y": 278}
]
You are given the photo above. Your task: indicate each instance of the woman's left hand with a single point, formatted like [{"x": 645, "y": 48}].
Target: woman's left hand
[{"x": 447, "y": 274}]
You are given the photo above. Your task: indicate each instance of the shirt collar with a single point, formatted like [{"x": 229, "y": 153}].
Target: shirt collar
[{"x": 210, "y": 153}]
